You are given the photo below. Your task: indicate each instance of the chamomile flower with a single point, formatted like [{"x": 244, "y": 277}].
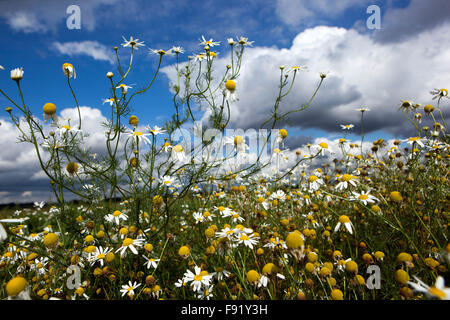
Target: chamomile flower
[
  {"x": 69, "y": 70},
  {"x": 110, "y": 101},
  {"x": 345, "y": 221},
  {"x": 209, "y": 42},
  {"x": 249, "y": 240},
  {"x": 439, "y": 290},
  {"x": 221, "y": 274},
  {"x": 198, "y": 279},
  {"x": 129, "y": 244},
  {"x": 124, "y": 88},
  {"x": 347, "y": 126},
  {"x": 161, "y": 52},
  {"x": 140, "y": 136},
  {"x": 167, "y": 180},
  {"x": 229, "y": 91},
  {"x": 128, "y": 289},
  {"x": 244, "y": 41},
  {"x": 98, "y": 255},
  {"x": 178, "y": 153},
  {"x": 177, "y": 50},
  {"x": 155, "y": 130},
  {"x": 198, "y": 217},
  {"x": 314, "y": 182},
  {"x": 416, "y": 140},
  {"x": 151, "y": 262},
  {"x": 364, "y": 197},
  {"x": 206, "y": 293},
  {"x": 117, "y": 216},
  {"x": 323, "y": 148},
  {"x": 17, "y": 74},
  {"x": 440, "y": 93},
  {"x": 133, "y": 43},
  {"x": 345, "y": 181}
]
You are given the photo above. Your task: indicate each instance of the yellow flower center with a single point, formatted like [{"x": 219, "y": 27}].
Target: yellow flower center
[
  {"x": 437, "y": 292},
  {"x": 127, "y": 242},
  {"x": 344, "y": 219},
  {"x": 363, "y": 197}
]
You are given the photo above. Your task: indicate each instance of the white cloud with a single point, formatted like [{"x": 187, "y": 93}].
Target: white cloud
[
  {"x": 363, "y": 72},
  {"x": 93, "y": 49},
  {"x": 20, "y": 173}
]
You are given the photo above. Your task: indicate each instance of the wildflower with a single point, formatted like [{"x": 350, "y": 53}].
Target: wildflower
[
  {"x": 363, "y": 197},
  {"x": 206, "y": 293},
  {"x": 156, "y": 130},
  {"x": 294, "y": 240},
  {"x": 197, "y": 279},
  {"x": 124, "y": 88},
  {"x": 117, "y": 216},
  {"x": 315, "y": 182},
  {"x": 72, "y": 168},
  {"x": 51, "y": 240},
  {"x": 221, "y": 273},
  {"x": 439, "y": 289},
  {"x": 247, "y": 240},
  {"x": 167, "y": 180},
  {"x": 69, "y": 70},
  {"x": 98, "y": 255},
  {"x": 16, "y": 289},
  {"x": 345, "y": 181},
  {"x": 129, "y": 289},
  {"x": 110, "y": 101},
  {"x": 396, "y": 196},
  {"x": 413, "y": 140},
  {"x": 323, "y": 148},
  {"x": 17, "y": 74},
  {"x": 209, "y": 43},
  {"x": 133, "y": 43},
  {"x": 151, "y": 263},
  {"x": 49, "y": 112},
  {"x": 130, "y": 244},
  {"x": 230, "y": 91},
  {"x": 198, "y": 217},
  {"x": 347, "y": 126},
  {"x": 140, "y": 137},
  {"x": 253, "y": 276},
  {"x": 440, "y": 93},
  {"x": 363, "y": 109},
  {"x": 344, "y": 220},
  {"x": 178, "y": 152},
  {"x": 177, "y": 50},
  {"x": 244, "y": 41},
  {"x": 161, "y": 52}
]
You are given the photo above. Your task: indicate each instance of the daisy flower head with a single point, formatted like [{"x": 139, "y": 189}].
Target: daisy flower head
[
  {"x": 209, "y": 43},
  {"x": 161, "y": 52},
  {"x": 294, "y": 69},
  {"x": 243, "y": 41},
  {"x": 17, "y": 74},
  {"x": 156, "y": 130},
  {"x": 133, "y": 43},
  {"x": 248, "y": 240},
  {"x": 345, "y": 181},
  {"x": 140, "y": 136},
  {"x": 128, "y": 289},
  {"x": 167, "y": 180},
  {"x": 110, "y": 101},
  {"x": 323, "y": 148},
  {"x": 439, "y": 290},
  {"x": 50, "y": 112},
  {"x": 440, "y": 93},
  {"x": 124, "y": 88},
  {"x": 69, "y": 70},
  {"x": 151, "y": 262},
  {"x": 363, "y": 109},
  {"x": 198, "y": 217},
  {"x": 98, "y": 255},
  {"x": 197, "y": 279},
  {"x": 178, "y": 153},
  {"x": 117, "y": 216},
  {"x": 131, "y": 245},
  {"x": 177, "y": 50},
  {"x": 230, "y": 91},
  {"x": 347, "y": 126},
  {"x": 364, "y": 197},
  {"x": 344, "y": 221},
  {"x": 413, "y": 140},
  {"x": 314, "y": 182}
]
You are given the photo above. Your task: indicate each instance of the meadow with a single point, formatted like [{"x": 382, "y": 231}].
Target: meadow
[{"x": 159, "y": 219}]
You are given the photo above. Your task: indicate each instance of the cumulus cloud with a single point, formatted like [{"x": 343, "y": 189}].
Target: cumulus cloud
[
  {"x": 47, "y": 15},
  {"x": 363, "y": 72},
  {"x": 401, "y": 23},
  {"x": 20, "y": 173},
  {"x": 93, "y": 49}
]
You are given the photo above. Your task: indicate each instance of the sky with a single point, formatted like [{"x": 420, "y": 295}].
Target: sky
[{"x": 374, "y": 68}]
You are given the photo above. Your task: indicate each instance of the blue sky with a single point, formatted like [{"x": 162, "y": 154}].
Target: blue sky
[
  {"x": 181, "y": 23},
  {"x": 372, "y": 68}
]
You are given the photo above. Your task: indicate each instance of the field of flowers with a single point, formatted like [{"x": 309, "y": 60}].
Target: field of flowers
[{"x": 156, "y": 220}]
